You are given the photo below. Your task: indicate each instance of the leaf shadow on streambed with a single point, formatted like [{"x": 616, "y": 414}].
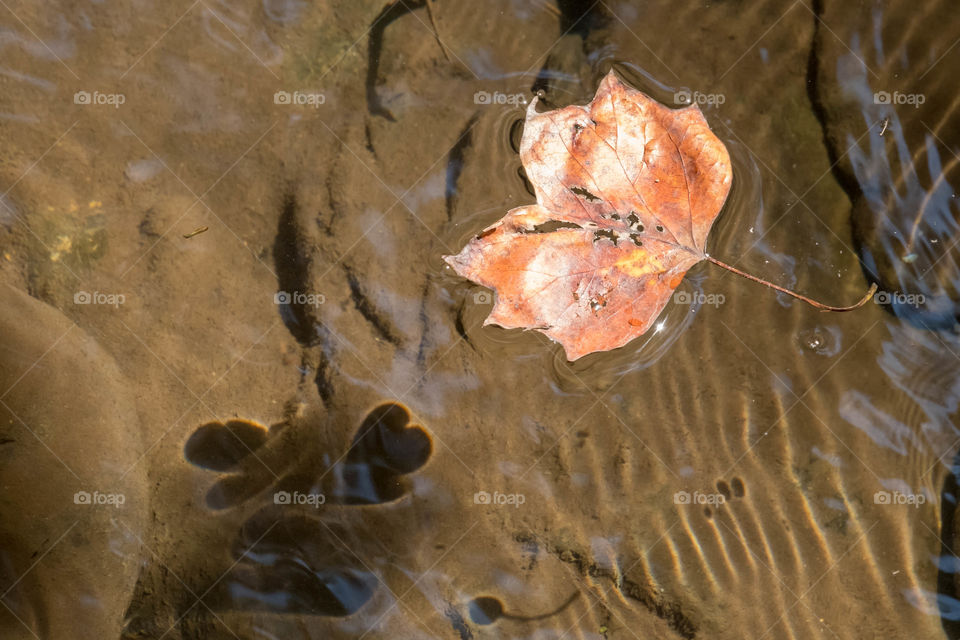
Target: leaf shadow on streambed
[
  {"x": 299, "y": 564},
  {"x": 290, "y": 556},
  {"x": 385, "y": 447}
]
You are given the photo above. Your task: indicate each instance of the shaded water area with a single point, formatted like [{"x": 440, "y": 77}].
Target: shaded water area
[{"x": 241, "y": 395}]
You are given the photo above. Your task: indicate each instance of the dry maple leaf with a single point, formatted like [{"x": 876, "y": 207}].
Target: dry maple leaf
[{"x": 627, "y": 190}]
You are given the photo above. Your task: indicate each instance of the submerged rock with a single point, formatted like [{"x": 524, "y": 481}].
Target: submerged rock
[{"x": 73, "y": 498}]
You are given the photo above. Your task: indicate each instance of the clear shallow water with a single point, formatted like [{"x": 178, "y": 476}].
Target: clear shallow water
[{"x": 363, "y": 458}]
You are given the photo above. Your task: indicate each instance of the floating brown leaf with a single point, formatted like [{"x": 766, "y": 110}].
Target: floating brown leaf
[{"x": 627, "y": 190}]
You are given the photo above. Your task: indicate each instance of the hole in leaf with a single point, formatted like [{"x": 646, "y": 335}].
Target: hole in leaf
[
  {"x": 636, "y": 239},
  {"x": 583, "y": 193},
  {"x": 552, "y": 225},
  {"x": 633, "y": 219},
  {"x": 659, "y": 227},
  {"x": 608, "y": 234},
  {"x": 615, "y": 216},
  {"x": 577, "y": 127}
]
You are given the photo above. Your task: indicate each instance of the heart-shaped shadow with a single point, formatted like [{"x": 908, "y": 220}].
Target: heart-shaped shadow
[
  {"x": 386, "y": 447},
  {"x": 288, "y": 561},
  {"x": 221, "y": 446}
]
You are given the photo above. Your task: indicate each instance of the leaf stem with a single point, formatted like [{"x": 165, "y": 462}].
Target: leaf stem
[{"x": 811, "y": 302}]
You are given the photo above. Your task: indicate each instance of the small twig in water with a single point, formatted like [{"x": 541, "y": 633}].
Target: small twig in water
[{"x": 196, "y": 232}]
